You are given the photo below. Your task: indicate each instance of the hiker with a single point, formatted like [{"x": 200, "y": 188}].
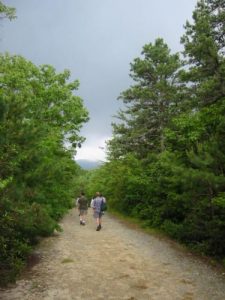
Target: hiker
[
  {"x": 83, "y": 207},
  {"x": 97, "y": 207}
]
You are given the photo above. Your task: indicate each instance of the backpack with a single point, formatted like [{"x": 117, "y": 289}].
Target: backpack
[{"x": 103, "y": 206}]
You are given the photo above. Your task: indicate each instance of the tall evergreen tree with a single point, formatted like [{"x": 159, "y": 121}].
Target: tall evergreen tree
[
  {"x": 204, "y": 43},
  {"x": 149, "y": 103}
]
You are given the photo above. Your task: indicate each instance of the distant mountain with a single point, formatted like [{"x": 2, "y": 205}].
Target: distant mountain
[{"x": 88, "y": 164}]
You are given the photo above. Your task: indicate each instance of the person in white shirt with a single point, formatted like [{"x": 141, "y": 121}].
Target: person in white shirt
[{"x": 92, "y": 202}]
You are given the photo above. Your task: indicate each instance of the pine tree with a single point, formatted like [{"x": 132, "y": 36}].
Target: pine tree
[
  {"x": 149, "y": 103},
  {"x": 204, "y": 43}
]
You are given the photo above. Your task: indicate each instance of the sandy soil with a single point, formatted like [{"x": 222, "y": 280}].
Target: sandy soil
[{"x": 117, "y": 262}]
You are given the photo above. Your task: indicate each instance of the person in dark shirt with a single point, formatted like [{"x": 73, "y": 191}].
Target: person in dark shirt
[{"x": 83, "y": 207}]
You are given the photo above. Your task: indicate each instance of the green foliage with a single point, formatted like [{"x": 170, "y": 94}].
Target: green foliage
[
  {"x": 166, "y": 159},
  {"x": 40, "y": 119},
  {"x": 7, "y": 12},
  {"x": 14, "y": 248},
  {"x": 204, "y": 50},
  {"x": 149, "y": 104}
]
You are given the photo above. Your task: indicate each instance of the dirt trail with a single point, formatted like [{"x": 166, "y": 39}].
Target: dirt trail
[{"x": 117, "y": 262}]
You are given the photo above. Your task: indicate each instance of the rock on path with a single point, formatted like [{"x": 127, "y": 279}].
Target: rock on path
[{"x": 117, "y": 263}]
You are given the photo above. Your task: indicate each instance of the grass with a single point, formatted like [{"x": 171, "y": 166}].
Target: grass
[{"x": 67, "y": 260}]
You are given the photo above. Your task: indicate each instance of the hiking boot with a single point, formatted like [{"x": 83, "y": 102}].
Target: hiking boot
[
  {"x": 80, "y": 222},
  {"x": 98, "y": 228},
  {"x": 83, "y": 222}
]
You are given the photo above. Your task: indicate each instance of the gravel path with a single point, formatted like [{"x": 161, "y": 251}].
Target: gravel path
[{"x": 117, "y": 262}]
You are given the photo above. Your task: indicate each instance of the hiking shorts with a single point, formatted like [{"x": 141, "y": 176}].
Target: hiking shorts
[
  {"x": 97, "y": 214},
  {"x": 83, "y": 212}
]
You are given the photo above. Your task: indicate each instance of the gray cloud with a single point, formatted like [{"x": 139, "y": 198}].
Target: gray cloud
[{"x": 96, "y": 40}]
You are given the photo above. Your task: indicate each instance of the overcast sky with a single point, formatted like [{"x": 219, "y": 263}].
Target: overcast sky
[{"x": 96, "y": 40}]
